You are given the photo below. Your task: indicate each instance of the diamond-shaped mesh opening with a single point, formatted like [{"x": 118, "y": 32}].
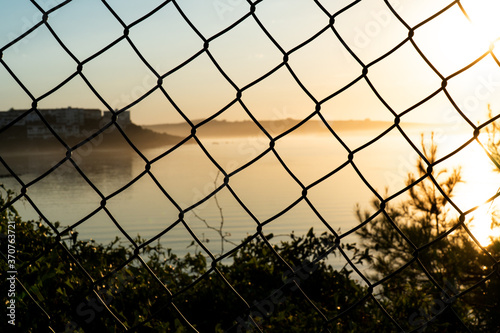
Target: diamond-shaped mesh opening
[
  {"x": 159, "y": 49},
  {"x": 270, "y": 99},
  {"x": 96, "y": 27},
  {"x": 437, "y": 38},
  {"x": 414, "y": 13},
  {"x": 166, "y": 269},
  {"x": 320, "y": 81},
  {"x": 446, "y": 127},
  {"x": 245, "y": 46},
  {"x": 30, "y": 169},
  {"x": 130, "y": 12},
  {"x": 411, "y": 89},
  {"x": 210, "y": 18},
  {"x": 84, "y": 229},
  {"x": 212, "y": 221},
  {"x": 310, "y": 166},
  {"x": 475, "y": 89},
  {"x": 202, "y": 78},
  {"x": 347, "y": 106},
  {"x": 161, "y": 211},
  {"x": 118, "y": 94},
  {"x": 18, "y": 20},
  {"x": 219, "y": 128},
  {"x": 370, "y": 29},
  {"x": 474, "y": 175},
  {"x": 195, "y": 177},
  {"x": 10, "y": 89},
  {"x": 119, "y": 168},
  {"x": 71, "y": 95},
  {"x": 49, "y": 61},
  {"x": 260, "y": 173},
  {"x": 62, "y": 182},
  {"x": 290, "y": 29},
  {"x": 293, "y": 221},
  {"x": 156, "y": 108},
  {"x": 338, "y": 209},
  {"x": 390, "y": 179}
]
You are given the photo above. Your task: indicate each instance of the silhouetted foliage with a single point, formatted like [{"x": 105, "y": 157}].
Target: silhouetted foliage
[
  {"x": 66, "y": 285},
  {"x": 445, "y": 277}
]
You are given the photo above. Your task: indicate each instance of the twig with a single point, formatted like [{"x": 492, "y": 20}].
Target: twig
[{"x": 219, "y": 230}]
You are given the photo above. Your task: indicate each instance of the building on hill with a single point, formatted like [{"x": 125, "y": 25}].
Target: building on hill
[
  {"x": 66, "y": 122},
  {"x": 123, "y": 118}
]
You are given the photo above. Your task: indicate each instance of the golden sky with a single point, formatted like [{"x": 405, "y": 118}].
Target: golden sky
[{"x": 245, "y": 53}]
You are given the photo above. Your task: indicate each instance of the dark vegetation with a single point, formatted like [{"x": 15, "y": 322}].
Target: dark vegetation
[{"x": 428, "y": 274}]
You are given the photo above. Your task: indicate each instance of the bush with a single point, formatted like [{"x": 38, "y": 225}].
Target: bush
[{"x": 66, "y": 284}]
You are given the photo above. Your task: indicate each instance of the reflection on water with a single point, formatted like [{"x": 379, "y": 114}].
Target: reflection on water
[
  {"x": 265, "y": 191},
  {"x": 63, "y": 194},
  {"x": 102, "y": 164}
]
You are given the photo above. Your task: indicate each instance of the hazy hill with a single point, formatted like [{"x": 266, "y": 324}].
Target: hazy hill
[
  {"x": 222, "y": 128},
  {"x": 14, "y": 139}
]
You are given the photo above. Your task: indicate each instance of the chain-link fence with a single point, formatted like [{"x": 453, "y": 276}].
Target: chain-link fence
[{"x": 100, "y": 299}]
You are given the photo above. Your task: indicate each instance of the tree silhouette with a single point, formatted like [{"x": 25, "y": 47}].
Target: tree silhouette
[{"x": 438, "y": 276}]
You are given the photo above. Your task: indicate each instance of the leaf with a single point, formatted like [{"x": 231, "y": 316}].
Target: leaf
[
  {"x": 68, "y": 283},
  {"x": 61, "y": 291}
]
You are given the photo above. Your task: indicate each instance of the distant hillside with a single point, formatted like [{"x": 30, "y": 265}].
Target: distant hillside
[
  {"x": 140, "y": 137},
  {"x": 14, "y": 139},
  {"x": 221, "y": 128},
  {"x": 26, "y": 130}
]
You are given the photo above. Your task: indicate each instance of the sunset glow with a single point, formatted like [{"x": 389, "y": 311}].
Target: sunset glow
[
  {"x": 480, "y": 183},
  {"x": 480, "y": 225},
  {"x": 484, "y": 17}
]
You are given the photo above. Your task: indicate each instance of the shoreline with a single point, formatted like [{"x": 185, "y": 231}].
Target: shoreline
[{"x": 108, "y": 140}]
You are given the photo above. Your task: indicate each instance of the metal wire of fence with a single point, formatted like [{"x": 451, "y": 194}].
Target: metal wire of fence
[{"x": 239, "y": 91}]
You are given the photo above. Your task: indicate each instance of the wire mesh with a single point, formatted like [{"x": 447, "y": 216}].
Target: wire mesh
[{"x": 172, "y": 299}]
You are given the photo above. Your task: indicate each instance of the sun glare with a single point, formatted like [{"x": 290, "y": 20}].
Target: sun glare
[
  {"x": 461, "y": 37},
  {"x": 480, "y": 225},
  {"x": 481, "y": 183},
  {"x": 484, "y": 16}
]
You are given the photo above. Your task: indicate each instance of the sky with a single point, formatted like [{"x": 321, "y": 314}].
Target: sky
[{"x": 245, "y": 53}]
